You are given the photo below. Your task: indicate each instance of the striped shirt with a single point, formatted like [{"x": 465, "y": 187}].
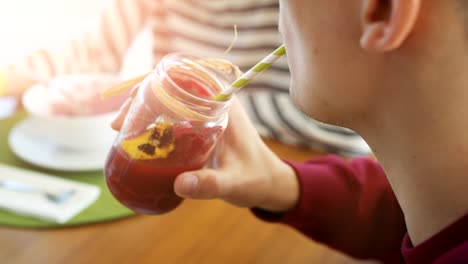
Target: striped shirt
[{"x": 204, "y": 28}]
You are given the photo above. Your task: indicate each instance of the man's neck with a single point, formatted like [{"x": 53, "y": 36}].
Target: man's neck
[{"x": 422, "y": 143}]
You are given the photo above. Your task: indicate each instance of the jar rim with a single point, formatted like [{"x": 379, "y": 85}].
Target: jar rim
[
  {"x": 180, "y": 59},
  {"x": 208, "y": 72}
]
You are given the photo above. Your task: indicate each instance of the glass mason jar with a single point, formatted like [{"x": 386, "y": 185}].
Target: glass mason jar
[{"x": 172, "y": 127}]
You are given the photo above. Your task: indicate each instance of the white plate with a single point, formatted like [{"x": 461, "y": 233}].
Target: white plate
[{"x": 33, "y": 147}]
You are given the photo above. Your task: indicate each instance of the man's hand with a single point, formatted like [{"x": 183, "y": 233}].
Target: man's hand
[{"x": 248, "y": 173}]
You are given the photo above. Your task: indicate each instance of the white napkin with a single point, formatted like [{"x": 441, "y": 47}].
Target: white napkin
[{"x": 37, "y": 205}]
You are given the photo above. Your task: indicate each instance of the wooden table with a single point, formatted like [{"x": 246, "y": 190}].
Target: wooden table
[{"x": 197, "y": 232}]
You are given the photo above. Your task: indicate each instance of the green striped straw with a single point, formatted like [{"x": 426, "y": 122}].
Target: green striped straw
[{"x": 247, "y": 77}]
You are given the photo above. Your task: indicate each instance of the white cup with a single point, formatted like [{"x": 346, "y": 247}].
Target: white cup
[{"x": 76, "y": 132}]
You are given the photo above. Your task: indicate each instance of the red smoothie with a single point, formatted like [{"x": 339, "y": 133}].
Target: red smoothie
[{"x": 141, "y": 169}]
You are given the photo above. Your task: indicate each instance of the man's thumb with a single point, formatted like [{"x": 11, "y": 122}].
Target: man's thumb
[{"x": 201, "y": 184}]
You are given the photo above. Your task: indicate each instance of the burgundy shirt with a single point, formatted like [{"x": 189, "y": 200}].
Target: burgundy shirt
[{"x": 350, "y": 206}]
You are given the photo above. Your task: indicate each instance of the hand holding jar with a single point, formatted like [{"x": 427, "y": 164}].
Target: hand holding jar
[{"x": 172, "y": 126}]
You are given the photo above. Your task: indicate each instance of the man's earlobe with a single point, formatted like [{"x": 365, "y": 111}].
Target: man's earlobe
[{"x": 386, "y": 24}]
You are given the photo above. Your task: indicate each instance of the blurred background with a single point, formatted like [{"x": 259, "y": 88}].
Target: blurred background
[{"x": 18, "y": 35}]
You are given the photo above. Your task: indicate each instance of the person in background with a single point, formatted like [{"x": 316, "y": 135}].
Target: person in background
[{"x": 204, "y": 28}]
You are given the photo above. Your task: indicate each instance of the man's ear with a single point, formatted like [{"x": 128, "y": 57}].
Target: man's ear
[{"x": 387, "y": 23}]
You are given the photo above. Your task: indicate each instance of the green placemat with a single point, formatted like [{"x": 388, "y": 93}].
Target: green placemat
[{"x": 105, "y": 208}]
